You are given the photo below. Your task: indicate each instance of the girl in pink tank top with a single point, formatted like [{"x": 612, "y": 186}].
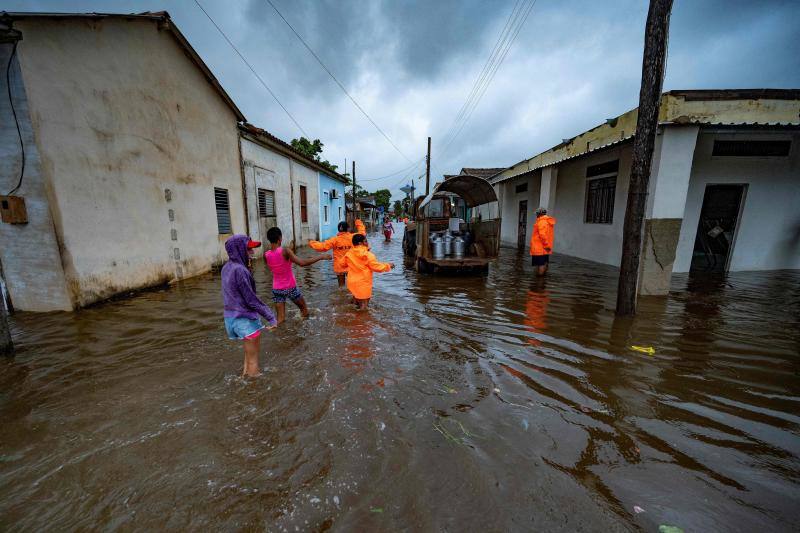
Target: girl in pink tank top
[{"x": 284, "y": 286}]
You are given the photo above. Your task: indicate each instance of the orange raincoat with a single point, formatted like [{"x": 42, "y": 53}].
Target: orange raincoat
[
  {"x": 542, "y": 236},
  {"x": 361, "y": 263},
  {"x": 341, "y": 244}
]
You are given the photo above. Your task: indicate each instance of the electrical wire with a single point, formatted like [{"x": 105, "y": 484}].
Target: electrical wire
[
  {"x": 508, "y": 35},
  {"x": 16, "y": 120},
  {"x": 415, "y": 164},
  {"x": 252, "y": 69},
  {"x": 322, "y": 64}
]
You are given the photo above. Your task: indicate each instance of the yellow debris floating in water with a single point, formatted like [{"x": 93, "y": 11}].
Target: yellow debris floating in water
[{"x": 649, "y": 350}]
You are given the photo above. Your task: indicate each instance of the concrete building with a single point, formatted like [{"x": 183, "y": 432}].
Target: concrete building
[
  {"x": 724, "y": 188},
  {"x": 331, "y": 203},
  {"x": 274, "y": 172},
  {"x": 132, "y": 173}
]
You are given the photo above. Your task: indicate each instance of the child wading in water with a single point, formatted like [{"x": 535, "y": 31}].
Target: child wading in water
[
  {"x": 388, "y": 230},
  {"x": 279, "y": 260},
  {"x": 341, "y": 244},
  {"x": 242, "y": 307},
  {"x": 361, "y": 263}
]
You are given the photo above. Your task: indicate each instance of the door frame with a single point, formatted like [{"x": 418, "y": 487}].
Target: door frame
[
  {"x": 521, "y": 238},
  {"x": 744, "y": 187}
]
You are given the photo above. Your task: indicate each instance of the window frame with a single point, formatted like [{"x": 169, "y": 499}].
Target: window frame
[
  {"x": 222, "y": 213},
  {"x": 594, "y": 174},
  {"x": 303, "y": 204},
  {"x": 262, "y": 207}
]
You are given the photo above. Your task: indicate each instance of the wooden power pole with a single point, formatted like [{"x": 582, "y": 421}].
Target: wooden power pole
[
  {"x": 653, "y": 62},
  {"x": 428, "y": 170},
  {"x": 6, "y": 346},
  {"x": 355, "y": 203}
]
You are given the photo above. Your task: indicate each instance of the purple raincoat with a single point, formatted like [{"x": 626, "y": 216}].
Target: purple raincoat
[{"x": 239, "y": 287}]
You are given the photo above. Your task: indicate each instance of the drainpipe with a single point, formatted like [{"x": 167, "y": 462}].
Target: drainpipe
[
  {"x": 291, "y": 201},
  {"x": 244, "y": 184}
]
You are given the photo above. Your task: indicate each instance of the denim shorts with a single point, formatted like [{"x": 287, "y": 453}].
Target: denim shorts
[
  {"x": 279, "y": 296},
  {"x": 243, "y": 328}
]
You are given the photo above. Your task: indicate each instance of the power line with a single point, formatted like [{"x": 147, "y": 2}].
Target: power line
[
  {"x": 338, "y": 82},
  {"x": 415, "y": 164},
  {"x": 517, "y": 19},
  {"x": 252, "y": 70}
]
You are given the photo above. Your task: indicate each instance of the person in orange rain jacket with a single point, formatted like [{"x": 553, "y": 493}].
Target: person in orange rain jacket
[
  {"x": 341, "y": 244},
  {"x": 542, "y": 241},
  {"x": 361, "y": 263}
]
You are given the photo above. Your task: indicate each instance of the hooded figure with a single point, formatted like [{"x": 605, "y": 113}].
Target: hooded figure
[
  {"x": 238, "y": 286},
  {"x": 341, "y": 243},
  {"x": 361, "y": 263},
  {"x": 542, "y": 235}
]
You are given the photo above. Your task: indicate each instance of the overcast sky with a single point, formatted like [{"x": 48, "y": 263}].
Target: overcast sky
[{"x": 411, "y": 64}]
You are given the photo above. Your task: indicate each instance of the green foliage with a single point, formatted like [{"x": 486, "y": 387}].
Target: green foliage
[
  {"x": 398, "y": 207},
  {"x": 312, "y": 149},
  {"x": 383, "y": 197}
]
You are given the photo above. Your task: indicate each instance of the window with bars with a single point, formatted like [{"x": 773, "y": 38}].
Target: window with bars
[
  {"x": 771, "y": 148},
  {"x": 266, "y": 203},
  {"x": 601, "y": 186},
  {"x": 522, "y": 187},
  {"x": 303, "y": 204}
]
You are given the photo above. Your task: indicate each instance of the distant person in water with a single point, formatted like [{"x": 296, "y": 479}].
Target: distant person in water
[
  {"x": 284, "y": 286},
  {"x": 341, "y": 243},
  {"x": 242, "y": 307},
  {"x": 361, "y": 263},
  {"x": 542, "y": 241},
  {"x": 388, "y": 229}
]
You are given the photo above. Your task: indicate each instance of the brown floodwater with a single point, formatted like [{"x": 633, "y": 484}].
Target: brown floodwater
[{"x": 454, "y": 403}]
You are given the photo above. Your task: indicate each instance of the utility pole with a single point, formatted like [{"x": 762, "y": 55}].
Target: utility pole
[
  {"x": 653, "y": 63},
  {"x": 355, "y": 203},
  {"x": 428, "y": 170}
]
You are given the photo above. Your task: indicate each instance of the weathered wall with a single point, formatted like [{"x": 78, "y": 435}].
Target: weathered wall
[
  {"x": 266, "y": 169},
  {"x": 121, "y": 114},
  {"x": 327, "y": 183},
  {"x": 509, "y": 208},
  {"x": 768, "y": 235},
  {"x": 573, "y": 236},
  {"x": 303, "y": 175},
  {"x": 29, "y": 252}
]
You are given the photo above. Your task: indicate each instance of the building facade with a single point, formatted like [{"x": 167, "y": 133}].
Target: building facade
[
  {"x": 331, "y": 203},
  {"x": 286, "y": 189},
  {"x": 724, "y": 186},
  {"x": 132, "y": 174}
]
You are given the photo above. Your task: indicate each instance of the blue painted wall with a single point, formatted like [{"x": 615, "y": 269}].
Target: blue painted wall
[{"x": 327, "y": 229}]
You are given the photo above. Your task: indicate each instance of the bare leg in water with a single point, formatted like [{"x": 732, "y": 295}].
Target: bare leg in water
[
  {"x": 340, "y": 278},
  {"x": 301, "y": 304},
  {"x": 251, "y": 349}
]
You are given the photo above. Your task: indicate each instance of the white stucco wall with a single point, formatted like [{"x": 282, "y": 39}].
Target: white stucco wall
[
  {"x": 267, "y": 169},
  {"x": 768, "y": 235},
  {"x": 121, "y": 114},
  {"x": 509, "y": 228},
  {"x": 303, "y": 175},
  {"x": 29, "y": 254},
  {"x": 573, "y": 236}
]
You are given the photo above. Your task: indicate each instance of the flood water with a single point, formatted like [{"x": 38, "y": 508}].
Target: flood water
[{"x": 459, "y": 404}]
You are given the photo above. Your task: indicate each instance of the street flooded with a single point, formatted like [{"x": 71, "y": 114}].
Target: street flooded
[{"x": 454, "y": 403}]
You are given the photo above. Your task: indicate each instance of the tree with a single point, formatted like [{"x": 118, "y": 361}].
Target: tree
[
  {"x": 383, "y": 197},
  {"x": 312, "y": 149},
  {"x": 398, "y": 207}
]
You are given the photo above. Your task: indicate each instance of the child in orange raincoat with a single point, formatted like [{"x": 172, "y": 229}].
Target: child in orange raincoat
[
  {"x": 341, "y": 244},
  {"x": 361, "y": 263}
]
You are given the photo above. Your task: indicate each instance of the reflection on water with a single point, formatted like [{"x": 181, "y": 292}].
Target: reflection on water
[{"x": 505, "y": 402}]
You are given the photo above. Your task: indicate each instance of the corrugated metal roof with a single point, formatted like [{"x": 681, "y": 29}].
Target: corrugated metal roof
[{"x": 473, "y": 189}]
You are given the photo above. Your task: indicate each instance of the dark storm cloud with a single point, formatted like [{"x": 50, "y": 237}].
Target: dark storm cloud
[{"x": 411, "y": 64}]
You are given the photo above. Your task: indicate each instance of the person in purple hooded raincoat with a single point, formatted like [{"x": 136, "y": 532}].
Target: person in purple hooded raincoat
[{"x": 243, "y": 308}]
